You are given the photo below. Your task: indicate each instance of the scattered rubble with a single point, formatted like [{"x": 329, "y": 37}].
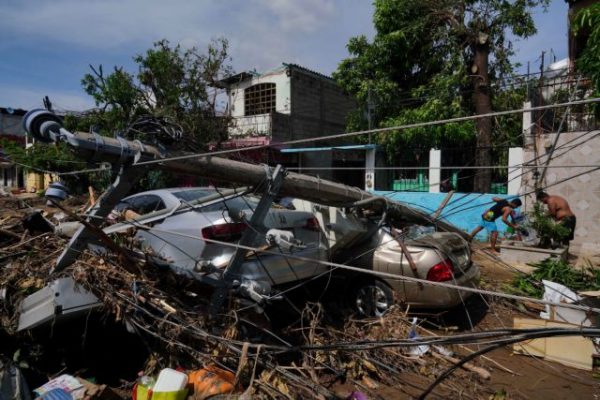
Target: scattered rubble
[
  {"x": 164, "y": 322},
  {"x": 169, "y": 313}
]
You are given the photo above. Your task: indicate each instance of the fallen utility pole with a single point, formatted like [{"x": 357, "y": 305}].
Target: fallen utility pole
[
  {"x": 295, "y": 185},
  {"x": 46, "y": 127}
]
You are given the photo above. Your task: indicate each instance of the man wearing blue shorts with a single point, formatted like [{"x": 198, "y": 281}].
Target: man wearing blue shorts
[{"x": 503, "y": 208}]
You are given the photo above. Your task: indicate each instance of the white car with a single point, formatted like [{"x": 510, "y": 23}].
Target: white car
[{"x": 180, "y": 238}]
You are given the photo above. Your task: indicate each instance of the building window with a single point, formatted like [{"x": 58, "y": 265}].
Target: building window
[{"x": 259, "y": 99}]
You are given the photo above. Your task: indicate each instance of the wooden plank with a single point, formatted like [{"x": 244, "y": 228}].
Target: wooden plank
[
  {"x": 572, "y": 351},
  {"x": 535, "y": 347},
  {"x": 590, "y": 293},
  {"x": 482, "y": 372}
]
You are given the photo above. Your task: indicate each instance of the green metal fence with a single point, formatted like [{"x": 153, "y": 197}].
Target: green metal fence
[
  {"x": 499, "y": 188},
  {"x": 420, "y": 184}
]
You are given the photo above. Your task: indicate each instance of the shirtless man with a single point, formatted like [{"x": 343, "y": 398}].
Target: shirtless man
[{"x": 559, "y": 209}]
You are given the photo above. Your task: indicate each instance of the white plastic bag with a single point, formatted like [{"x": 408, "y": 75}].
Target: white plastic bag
[{"x": 557, "y": 293}]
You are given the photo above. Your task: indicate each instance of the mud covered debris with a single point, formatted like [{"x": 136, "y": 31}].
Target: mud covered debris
[{"x": 151, "y": 318}]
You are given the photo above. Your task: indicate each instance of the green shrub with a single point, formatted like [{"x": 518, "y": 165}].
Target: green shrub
[
  {"x": 559, "y": 271},
  {"x": 550, "y": 232}
]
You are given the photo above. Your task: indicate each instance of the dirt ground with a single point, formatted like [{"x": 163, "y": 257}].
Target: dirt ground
[
  {"x": 513, "y": 376},
  {"x": 535, "y": 378}
]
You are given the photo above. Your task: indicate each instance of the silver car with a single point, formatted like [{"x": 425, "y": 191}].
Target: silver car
[
  {"x": 180, "y": 237},
  {"x": 179, "y": 231}
]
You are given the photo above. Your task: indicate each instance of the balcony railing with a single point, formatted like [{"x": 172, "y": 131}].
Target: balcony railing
[
  {"x": 252, "y": 125},
  {"x": 561, "y": 89}
]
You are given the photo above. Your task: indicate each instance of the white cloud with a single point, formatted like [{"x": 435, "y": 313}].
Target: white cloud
[
  {"x": 114, "y": 24},
  {"x": 304, "y": 16}
]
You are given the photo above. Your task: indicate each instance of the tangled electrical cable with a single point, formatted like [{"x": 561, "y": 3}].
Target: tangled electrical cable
[
  {"x": 504, "y": 336},
  {"x": 154, "y": 130}
]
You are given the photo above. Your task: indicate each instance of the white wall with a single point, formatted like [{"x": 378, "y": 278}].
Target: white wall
[
  {"x": 435, "y": 173},
  {"x": 370, "y": 155},
  {"x": 515, "y": 170},
  {"x": 572, "y": 175},
  {"x": 282, "y": 90}
]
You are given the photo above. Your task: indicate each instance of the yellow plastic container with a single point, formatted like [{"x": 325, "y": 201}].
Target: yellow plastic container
[
  {"x": 143, "y": 393},
  {"x": 179, "y": 395}
]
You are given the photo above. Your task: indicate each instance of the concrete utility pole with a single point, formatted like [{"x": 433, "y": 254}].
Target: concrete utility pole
[{"x": 46, "y": 127}]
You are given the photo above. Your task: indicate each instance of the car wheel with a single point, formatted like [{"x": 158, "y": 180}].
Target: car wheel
[{"x": 373, "y": 299}]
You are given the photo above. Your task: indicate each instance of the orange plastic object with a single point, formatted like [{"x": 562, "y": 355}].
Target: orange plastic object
[{"x": 210, "y": 381}]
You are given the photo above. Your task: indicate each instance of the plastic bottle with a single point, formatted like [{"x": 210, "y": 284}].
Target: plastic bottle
[
  {"x": 418, "y": 350},
  {"x": 143, "y": 388},
  {"x": 170, "y": 380},
  {"x": 145, "y": 380}
]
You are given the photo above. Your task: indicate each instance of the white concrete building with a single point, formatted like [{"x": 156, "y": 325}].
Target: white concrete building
[
  {"x": 291, "y": 102},
  {"x": 287, "y": 102}
]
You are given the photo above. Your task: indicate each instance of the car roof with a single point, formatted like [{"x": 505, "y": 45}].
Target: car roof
[
  {"x": 170, "y": 191},
  {"x": 186, "y": 188}
]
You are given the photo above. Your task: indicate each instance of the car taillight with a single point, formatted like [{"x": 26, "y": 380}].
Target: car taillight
[
  {"x": 440, "y": 272},
  {"x": 224, "y": 232},
  {"x": 312, "y": 224}
]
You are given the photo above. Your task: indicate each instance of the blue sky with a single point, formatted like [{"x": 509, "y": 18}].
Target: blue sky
[{"x": 46, "y": 46}]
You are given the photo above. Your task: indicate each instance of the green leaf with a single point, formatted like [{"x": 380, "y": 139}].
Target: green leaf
[{"x": 417, "y": 68}]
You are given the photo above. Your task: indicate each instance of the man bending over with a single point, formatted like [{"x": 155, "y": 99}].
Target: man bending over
[{"x": 503, "y": 208}]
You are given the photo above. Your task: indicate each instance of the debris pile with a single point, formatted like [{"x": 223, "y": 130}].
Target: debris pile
[{"x": 169, "y": 314}]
